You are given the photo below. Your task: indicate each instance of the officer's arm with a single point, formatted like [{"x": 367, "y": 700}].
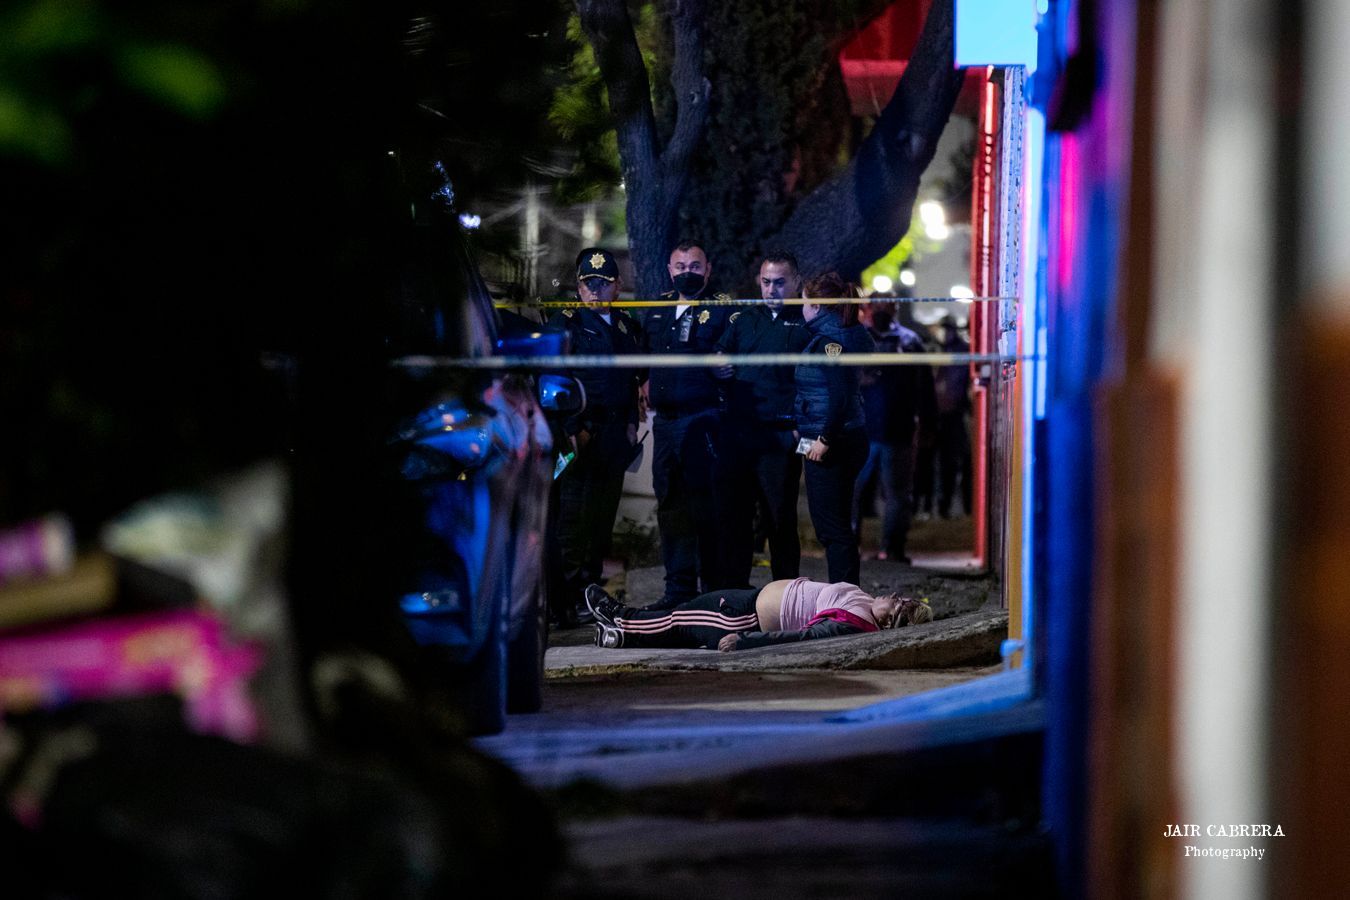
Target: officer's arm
[
  {"x": 840, "y": 383},
  {"x": 563, "y": 322},
  {"x": 729, "y": 342}
]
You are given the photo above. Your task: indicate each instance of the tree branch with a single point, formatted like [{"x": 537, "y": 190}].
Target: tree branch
[
  {"x": 610, "y": 31},
  {"x": 856, "y": 217},
  {"x": 691, "y": 88}
]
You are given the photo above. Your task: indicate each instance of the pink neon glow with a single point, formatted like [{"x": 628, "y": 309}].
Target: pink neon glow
[
  {"x": 987, "y": 187},
  {"x": 1066, "y": 240}
]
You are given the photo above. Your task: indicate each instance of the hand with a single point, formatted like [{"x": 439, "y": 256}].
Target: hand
[
  {"x": 632, "y": 433},
  {"x": 644, "y": 400},
  {"x": 722, "y": 373},
  {"x": 818, "y": 450},
  {"x": 729, "y": 643}
]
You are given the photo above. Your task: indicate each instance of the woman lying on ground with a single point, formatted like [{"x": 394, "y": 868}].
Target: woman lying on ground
[{"x": 781, "y": 612}]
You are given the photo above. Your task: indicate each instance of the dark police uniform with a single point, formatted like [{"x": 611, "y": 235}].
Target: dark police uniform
[
  {"x": 687, "y": 433},
  {"x": 896, "y": 401},
  {"x": 829, "y": 407},
  {"x": 589, "y": 489},
  {"x": 764, "y": 467}
]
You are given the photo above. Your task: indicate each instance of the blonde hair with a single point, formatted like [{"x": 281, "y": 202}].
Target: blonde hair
[{"x": 908, "y": 611}]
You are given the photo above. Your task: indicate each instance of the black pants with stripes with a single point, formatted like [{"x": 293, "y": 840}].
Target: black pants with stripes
[{"x": 700, "y": 622}]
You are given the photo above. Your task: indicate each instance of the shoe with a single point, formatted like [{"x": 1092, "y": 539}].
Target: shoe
[
  {"x": 608, "y": 636},
  {"x": 603, "y": 607}
]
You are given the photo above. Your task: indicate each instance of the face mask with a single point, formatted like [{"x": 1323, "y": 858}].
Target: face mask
[{"x": 688, "y": 283}]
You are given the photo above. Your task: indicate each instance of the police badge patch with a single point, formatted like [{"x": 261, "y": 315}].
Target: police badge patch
[
  {"x": 597, "y": 260},
  {"x": 703, "y": 317},
  {"x": 734, "y": 317},
  {"x": 832, "y": 350},
  {"x": 569, "y": 313}
]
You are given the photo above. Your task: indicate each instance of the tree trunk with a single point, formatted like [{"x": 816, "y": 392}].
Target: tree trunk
[
  {"x": 653, "y": 177},
  {"x": 855, "y": 218},
  {"x": 845, "y": 224}
]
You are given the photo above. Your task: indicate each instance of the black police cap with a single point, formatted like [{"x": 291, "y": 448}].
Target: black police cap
[{"x": 596, "y": 263}]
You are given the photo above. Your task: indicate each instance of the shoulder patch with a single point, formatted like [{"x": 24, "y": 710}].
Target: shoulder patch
[
  {"x": 832, "y": 349},
  {"x": 569, "y": 312},
  {"x": 704, "y": 316},
  {"x": 722, "y": 295},
  {"x": 735, "y": 316}
]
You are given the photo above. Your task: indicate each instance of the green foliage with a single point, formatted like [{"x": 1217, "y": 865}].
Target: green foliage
[
  {"x": 579, "y": 111},
  {"x": 32, "y": 129},
  {"x": 891, "y": 264},
  {"x": 580, "y": 114},
  {"x": 178, "y": 77}
]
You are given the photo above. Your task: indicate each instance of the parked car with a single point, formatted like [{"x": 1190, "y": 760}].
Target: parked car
[{"x": 473, "y": 457}]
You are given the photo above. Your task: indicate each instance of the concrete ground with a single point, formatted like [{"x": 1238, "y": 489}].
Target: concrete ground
[{"x": 766, "y": 773}]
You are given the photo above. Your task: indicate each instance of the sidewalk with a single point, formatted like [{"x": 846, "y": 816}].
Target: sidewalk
[{"x": 966, "y": 631}]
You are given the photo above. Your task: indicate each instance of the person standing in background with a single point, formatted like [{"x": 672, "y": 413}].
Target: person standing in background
[
  {"x": 764, "y": 469},
  {"x": 687, "y": 431},
  {"x": 830, "y": 421},
  {"x": 952, "y": 384},
  {"x": 898, "y": 405},
  {"x": 602, "y": 435}
]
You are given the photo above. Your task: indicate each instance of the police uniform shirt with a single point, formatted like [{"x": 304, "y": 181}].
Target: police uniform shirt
[
  {"x": 611, "y": 393},
  {"x": 680, "y": 391},
  {"x": 764, "y": 393}
]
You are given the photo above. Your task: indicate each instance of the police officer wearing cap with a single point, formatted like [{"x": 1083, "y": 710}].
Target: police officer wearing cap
[
  {"x": 687, "y": 431},
  {"x": 603, "y": 435},
  {"x": 766, "y": 470}
]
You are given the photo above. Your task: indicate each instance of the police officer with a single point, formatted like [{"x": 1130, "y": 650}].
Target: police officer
[
  {"x": 766, "y": 470},
  {"x": 830, "y": 415},
  {"x": 602, "y": 436},
  {"x": 687, "y": 432}
]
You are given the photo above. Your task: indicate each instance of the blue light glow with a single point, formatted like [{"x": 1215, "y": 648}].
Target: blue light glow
[{"x": 995, "y": 33}]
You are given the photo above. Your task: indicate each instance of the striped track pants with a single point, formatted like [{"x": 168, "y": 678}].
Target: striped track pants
[{"x": 700, "y": 622}]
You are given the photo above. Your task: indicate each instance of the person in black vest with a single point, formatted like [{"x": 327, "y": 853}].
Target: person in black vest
[
  {"x": 953, "y": 438},
  {"x": 764, "y": 467},
  {"x": 830, "y": 415},
  {"x": 603, "y": 435},
  {"x": 687, "y": 430},
  {"x": 898, "y": 404}
]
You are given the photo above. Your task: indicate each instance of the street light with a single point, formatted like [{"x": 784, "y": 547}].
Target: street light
[
  {"x": 881, "y": 284},
  {"x": 934, "y": 219}
]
